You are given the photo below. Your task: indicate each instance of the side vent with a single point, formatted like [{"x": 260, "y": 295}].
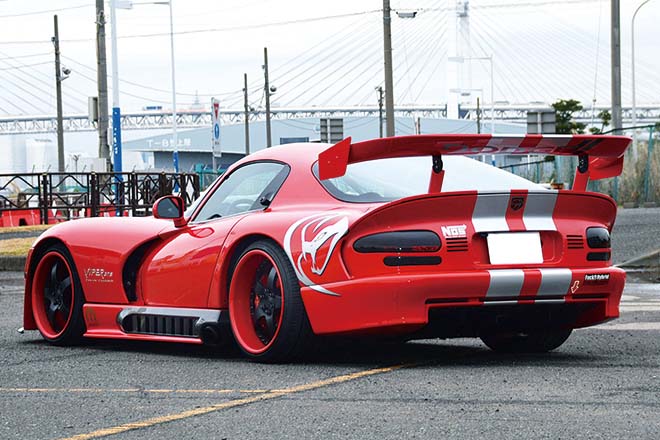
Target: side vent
[
  {"x": 575, "y": 241},
  {"x": 160, "y": 325},
  {"x": 457, "y": 244},
  {"x": 168, "y": 321}
]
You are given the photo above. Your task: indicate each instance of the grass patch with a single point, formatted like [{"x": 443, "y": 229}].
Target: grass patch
[
  {"x": 16, "y": 247},
  {"x": 24, "y": 229}
]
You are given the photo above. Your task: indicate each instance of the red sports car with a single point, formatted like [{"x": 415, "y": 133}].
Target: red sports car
[{"x": 398, "y": 237}]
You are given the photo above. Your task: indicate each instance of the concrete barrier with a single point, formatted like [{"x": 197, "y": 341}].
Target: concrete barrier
[{"x": 12, "y": 263}]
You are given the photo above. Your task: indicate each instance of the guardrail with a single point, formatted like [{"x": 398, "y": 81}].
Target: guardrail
[{"x": 63, "y": 196}]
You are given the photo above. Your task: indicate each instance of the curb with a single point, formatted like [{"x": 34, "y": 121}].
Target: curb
[
  {"x": 648, "y": 261},
  {"x": 15, "y": 264}
]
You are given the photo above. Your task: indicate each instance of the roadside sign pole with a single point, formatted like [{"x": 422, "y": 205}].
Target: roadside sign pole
[{"x": 215, "y": 130}]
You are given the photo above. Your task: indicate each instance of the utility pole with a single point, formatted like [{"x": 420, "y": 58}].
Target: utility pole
[
  {"x": 269, "y": 142},
  {"x": 616, "y": 66},
  {"x": 58, "y": 91},
  {"x": 379, "y": 89},
  {"x": 102, "y": 82},
  {"x": 389, "y": 83},
  {"x": 246, "y": 107}
]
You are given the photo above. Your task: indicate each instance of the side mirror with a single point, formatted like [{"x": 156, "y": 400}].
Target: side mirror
[{"x": 170, "y": 207}]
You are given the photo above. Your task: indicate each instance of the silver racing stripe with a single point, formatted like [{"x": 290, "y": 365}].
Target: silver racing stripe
[
  {"x": 505, "y": 283},
  {"x": 554, "y": 282},
  {"x": 506, "y": 139},
  {"x": 538, "y": 211},
  {"x": 489, "y": 213}
]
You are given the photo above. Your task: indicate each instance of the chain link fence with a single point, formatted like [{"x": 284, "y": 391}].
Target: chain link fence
[{"x": 638, "y": 185}]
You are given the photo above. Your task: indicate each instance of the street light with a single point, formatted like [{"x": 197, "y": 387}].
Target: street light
[
  {"x": 634, "y": 101},
  {"x": 492, "y": 83},
  {"x": 127, "y": 4},
  {"x": 116, "y": 112}
]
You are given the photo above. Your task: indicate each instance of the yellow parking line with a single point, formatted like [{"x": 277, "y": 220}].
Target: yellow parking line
[
  {"x": 122, "y": 390},
  {"x": 234, "y": 403}
]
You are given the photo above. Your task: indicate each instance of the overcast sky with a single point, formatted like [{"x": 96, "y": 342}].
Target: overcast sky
[{"x": 540, "y": 53}]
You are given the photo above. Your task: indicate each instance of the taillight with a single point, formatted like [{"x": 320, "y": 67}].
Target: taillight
[
  {"x": 598, "y": 238},
  {"x": 399, "y": 241}
]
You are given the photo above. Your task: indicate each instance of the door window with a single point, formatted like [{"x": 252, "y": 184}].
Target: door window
[{"x": 250, "y": 187}]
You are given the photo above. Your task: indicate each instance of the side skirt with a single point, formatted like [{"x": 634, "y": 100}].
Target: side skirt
[{"x": 165, "y": 324}]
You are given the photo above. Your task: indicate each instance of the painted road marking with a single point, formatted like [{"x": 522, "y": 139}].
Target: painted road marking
[
  {"x": 234, "y": 403},
  {"x": 630, "y": 326},
  {"x": 128, "y": 390}
]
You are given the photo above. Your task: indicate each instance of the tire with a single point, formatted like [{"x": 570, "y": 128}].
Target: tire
[
  {"x": 536, "y": 342},
  {"x": 57, "y": 297},
  {"x": 266, "y": 311}
]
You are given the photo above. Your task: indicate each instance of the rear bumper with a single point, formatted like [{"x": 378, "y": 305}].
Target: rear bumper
[{"x": 403, "y": 303}]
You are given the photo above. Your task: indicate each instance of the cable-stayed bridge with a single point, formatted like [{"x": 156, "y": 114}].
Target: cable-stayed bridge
[
  {"x": 540, "y": 51},
  {"x": 202, "y": 118}
]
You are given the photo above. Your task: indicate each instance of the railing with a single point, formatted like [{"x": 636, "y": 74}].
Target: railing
[{"x": 63, "y": 196}]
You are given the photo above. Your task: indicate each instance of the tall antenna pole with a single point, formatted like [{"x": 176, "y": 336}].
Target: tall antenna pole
[
  {"x": 389, "y": 83},
  {"x": 58, "y": 91}
]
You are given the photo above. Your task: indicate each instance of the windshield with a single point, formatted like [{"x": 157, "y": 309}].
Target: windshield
[{"x": 384, "y": 180}]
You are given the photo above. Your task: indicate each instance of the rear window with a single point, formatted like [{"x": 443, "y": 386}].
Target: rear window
[{"x": 385, "y": 180}]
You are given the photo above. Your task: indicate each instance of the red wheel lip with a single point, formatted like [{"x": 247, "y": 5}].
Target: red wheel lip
[
  {"x": 236, "y": 318},
  {"x": 38, "y": 284}
]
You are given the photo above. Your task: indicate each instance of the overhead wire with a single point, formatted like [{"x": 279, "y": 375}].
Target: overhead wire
[
  {"x": 375, "y": 55},
  {"x": 343, "y": 67},
  {"x": 349, "y": 50},
  {"x": 422, "y": 52},
  {"x": 46, "y": 84},
  {"x": 27, "y": 65},
  {"x": 46, "y": 11},
  {"x": 593, "y": 100},
  {"x": 122, "y": 80},
  {"x": 207, "y": 30},
  {"x": 521, "y": 65}
]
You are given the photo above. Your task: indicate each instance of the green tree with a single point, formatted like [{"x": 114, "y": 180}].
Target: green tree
[
  {"x": 605, "y": 118},
  {"x": 564, "y": 109}
]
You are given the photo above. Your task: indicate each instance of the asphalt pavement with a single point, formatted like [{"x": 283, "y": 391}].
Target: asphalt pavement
[
  {"x": 603, "y": 383},
  {"x": 636, "y": 233}
]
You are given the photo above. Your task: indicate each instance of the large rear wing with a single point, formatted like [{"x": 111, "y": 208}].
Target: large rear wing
[{"x": 599, "y": 156}]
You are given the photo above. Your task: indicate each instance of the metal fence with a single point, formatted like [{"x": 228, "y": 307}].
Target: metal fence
[
  {"x": 63, "y": 196},
  {"x": 638, "y": 185}
]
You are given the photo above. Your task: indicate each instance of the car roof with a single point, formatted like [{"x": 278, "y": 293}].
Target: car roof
[{"x": 296, "y": 154}]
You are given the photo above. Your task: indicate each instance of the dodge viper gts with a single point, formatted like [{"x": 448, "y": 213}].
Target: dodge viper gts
[{"x": 401, "y": 237}]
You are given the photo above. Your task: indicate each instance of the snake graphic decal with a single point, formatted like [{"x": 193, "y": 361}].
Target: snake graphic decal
[{"x": 313, "y": 239}]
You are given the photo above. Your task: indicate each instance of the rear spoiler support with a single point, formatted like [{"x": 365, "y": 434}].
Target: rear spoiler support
[
  {"x": 581, "y": 179},
  {"x": 437, "y": 176}
]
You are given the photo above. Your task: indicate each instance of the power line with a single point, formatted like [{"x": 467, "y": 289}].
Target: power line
[
  {"x": 208, "y": 30},
  {"x": 27, "y": 65},
  {"x": 46, "y": 11},
  {"x": 143, "y": 86},
  {"x": 33, "y": 55}
]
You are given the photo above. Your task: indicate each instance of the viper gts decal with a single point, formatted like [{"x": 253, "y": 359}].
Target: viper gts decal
[{"x": 314, "y": 239}]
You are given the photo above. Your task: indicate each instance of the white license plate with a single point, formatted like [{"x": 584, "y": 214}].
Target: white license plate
[{"x": 515, "y": 248}]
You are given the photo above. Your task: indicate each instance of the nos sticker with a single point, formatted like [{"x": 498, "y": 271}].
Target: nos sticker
[
  {"x": 313, "y": 239},
  {"x": 454, "y": 231}
]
